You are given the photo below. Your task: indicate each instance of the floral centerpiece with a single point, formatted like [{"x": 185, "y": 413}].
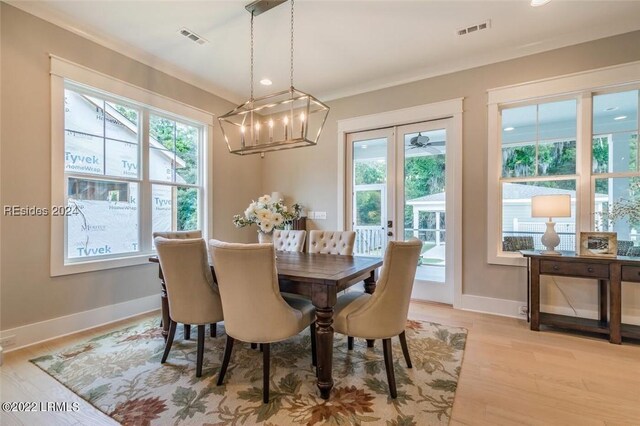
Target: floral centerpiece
[{"x": 268, "y": 214}]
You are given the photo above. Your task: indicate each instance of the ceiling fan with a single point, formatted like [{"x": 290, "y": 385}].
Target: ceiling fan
[{"x": 421, "y": 141}]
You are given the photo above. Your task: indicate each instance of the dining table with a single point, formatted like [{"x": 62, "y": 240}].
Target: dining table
[{"x": 319, "y": 277}]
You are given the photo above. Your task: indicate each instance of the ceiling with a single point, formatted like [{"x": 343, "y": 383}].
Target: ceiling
[{"x": 341, "y": 47}]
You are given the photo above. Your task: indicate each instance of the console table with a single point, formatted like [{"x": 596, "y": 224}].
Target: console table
[{"x": 609, "y": 271}]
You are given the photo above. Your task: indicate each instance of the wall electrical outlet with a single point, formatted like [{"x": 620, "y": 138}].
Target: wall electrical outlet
[
  {"x": 522, "y": 310},
  {"x": 8, "y": 341},
  {"x": 321, "y": 215}
]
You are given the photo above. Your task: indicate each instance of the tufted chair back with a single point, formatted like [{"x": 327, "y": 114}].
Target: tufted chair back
[
  {"x": 178, "y": 235},
  {"x": 332, "y": 242},
  {"x": 289, "y": 240},
  {"x": 248, "y": 281},
  {"x": 384, "y": 314},
  {"x": 193, "y": 296}
]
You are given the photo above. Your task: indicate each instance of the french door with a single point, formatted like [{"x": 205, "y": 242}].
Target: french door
[{"x": 398, "y": 181}]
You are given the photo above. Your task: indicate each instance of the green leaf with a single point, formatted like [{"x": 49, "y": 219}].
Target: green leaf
[
  {"x": 458, "y": 340},
  {"x": 41, "y": 359},
  {"x": 376, "y": 385},
  {"x": 265, "y": 411},
  {"x": 372, "y": 367},
  {"x": 444, "y": 385},
  {"x": 402, "y": 421},
  {"x": 253, "y": 394},
  {"x": 187, "y": 399},
  {"x": 290, "y": 384},
  {"x": 98, "y": 392}
]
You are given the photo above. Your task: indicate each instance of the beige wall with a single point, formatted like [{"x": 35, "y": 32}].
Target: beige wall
[
  {"x": 27, "y": 293},
  {"x": 310, "y": 175}
]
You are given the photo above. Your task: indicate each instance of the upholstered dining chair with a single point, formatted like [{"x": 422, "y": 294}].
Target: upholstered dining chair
[
  {"x": 332, "y": 242},
  {"x": 181, "y": 235},
  {"x": 383, "y": 314},
  {"x": 289, "y": 240},
  {"x": 254, "y": 309},
  {"x": 193, "y": 296}
]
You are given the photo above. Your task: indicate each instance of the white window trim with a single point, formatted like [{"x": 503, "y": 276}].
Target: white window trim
[
  {"x": 438, "y": 110},
  {"x": 62, "y": 70},
  {"x": 580, "y": 85}
]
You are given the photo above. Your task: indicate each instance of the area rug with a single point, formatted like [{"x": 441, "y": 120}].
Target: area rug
[{"x": 121, "y": 375}]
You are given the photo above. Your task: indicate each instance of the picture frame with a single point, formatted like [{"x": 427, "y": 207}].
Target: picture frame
[{"x": 599, "y": 244}]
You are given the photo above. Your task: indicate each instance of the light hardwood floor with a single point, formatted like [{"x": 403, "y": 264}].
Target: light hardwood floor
[{"x": 510, "y": 376}]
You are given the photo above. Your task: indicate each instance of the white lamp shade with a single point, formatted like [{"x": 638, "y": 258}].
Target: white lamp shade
[
  {"x": 551, "y": 206},
  {"x": 276, "y": 196}
]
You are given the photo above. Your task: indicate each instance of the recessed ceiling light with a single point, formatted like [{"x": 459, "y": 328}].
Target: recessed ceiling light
[
  {"x": 536, "y": 3},
  {"x": 620, "y": 117},
  {"x": 508, "y": 129},
  {"x": 613, "y": 108},
  {"x": 266, "y": 82},
  {"x": 363, "y": 146}
]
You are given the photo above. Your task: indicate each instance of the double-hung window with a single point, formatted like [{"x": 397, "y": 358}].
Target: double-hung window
[
  {"x": 575, "y": 135},
  {"x": 125, "y": 163}
]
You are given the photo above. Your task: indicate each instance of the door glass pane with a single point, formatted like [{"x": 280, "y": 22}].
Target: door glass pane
[
  {"x": 425, "y": 199},
  {"x": 107, "y": 219},
  {"x": 520, "y": 231},
  {"x": 369, "y": 189}
]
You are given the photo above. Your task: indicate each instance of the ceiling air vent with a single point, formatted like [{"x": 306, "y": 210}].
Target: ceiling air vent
[
  {"x": 472, "y": 29},
  {"x": 192, "y": 36}
]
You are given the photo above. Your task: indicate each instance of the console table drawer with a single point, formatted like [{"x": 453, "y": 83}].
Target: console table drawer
[
  {"x": 631, "y": 273},
  {"x": 574, "y": 269}
]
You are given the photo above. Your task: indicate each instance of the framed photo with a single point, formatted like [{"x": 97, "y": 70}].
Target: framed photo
[{"x": 599, "y": 244}]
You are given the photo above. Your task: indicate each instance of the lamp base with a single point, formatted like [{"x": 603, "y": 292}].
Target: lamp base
[
  {"x": 550, "y": 253},
  {"x": 550, "y": 240}
]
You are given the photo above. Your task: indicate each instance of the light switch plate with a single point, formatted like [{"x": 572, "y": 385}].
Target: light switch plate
[
  {"x": 311, "y": 215},
  {"x": 321, "y": 215}
]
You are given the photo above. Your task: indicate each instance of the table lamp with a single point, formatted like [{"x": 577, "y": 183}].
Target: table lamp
[{"x": 551, "y": 206}]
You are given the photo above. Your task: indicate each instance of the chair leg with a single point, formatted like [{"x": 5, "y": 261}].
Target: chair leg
[
  {"x": 213, "y": 329},
  {"x": 187, "y": 332},
  {"x": 350, "y": 343},
  {"x": 254, "y": 346},
  {"x": 388, "y": 365},
  {"x": 266, "y": 349},
  {"x": 314, "y": 355},
  {"x": 225, "y": 360},
  {"x": 200, "y": 356},
  {"x": 405, "y": 349},
  {"x": 167, "y": 345}
]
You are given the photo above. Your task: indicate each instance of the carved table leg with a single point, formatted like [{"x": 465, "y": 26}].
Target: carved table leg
[
  {"x": 535, "y": 294},
  {"x": 602, "y": 300},
  {"x": 165, "y": 310},
  {"x": 324, "y": 336},
  {"x": 324, "y": 299},
  {"x": 370, "y": 287},
  {"x": 615, "y": 303}
]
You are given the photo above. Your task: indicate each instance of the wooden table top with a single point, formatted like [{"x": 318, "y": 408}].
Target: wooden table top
[
  {"x": 575, "y": 257},
  {"x": 330, "y": 269}
]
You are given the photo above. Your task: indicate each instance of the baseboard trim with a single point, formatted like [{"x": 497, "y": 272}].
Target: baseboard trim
[
  {"x": 491, "y": 305},
  {"x": 43, "y": 331}
]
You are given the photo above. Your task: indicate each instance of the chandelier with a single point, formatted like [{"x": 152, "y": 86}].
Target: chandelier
[{"x": 283, "y": 120}]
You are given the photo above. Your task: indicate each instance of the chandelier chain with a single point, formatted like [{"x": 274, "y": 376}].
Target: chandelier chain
[
  {"x": 291, "y": 75},
  {"x": 251, "y": 98}
]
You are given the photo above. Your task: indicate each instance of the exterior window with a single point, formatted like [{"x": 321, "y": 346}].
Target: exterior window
[
  {"x": 616, "y": 180},
  {"x": 538, "y": 144},
  {"x": 575, "y": 134},
  {"x": 104, "y": 179}
]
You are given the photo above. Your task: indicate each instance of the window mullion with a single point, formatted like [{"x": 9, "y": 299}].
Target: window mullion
[
  {"x": 145, "y": 187},
  {"x": 585, "y": 198}
]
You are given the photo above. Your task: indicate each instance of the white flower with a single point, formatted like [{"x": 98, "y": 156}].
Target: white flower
[
  {"x": 250, "y": 211},
  {"x": 266, "y": 226},
  {"x": 265, "y": 199},
  {"x": 277, "y": 219},
  {"x": 263, "y": 214}
]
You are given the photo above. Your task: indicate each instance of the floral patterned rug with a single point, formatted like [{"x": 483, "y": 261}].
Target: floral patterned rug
[{"x": 121, "y": 375}]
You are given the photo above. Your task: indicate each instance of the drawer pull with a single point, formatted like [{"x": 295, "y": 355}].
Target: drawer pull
[
  {"x": 557, "y": 268},
  {"x": 590, "y": 269}
]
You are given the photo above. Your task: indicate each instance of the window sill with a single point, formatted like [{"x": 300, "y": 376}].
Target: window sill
[{"x": 99, "y": 264}]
